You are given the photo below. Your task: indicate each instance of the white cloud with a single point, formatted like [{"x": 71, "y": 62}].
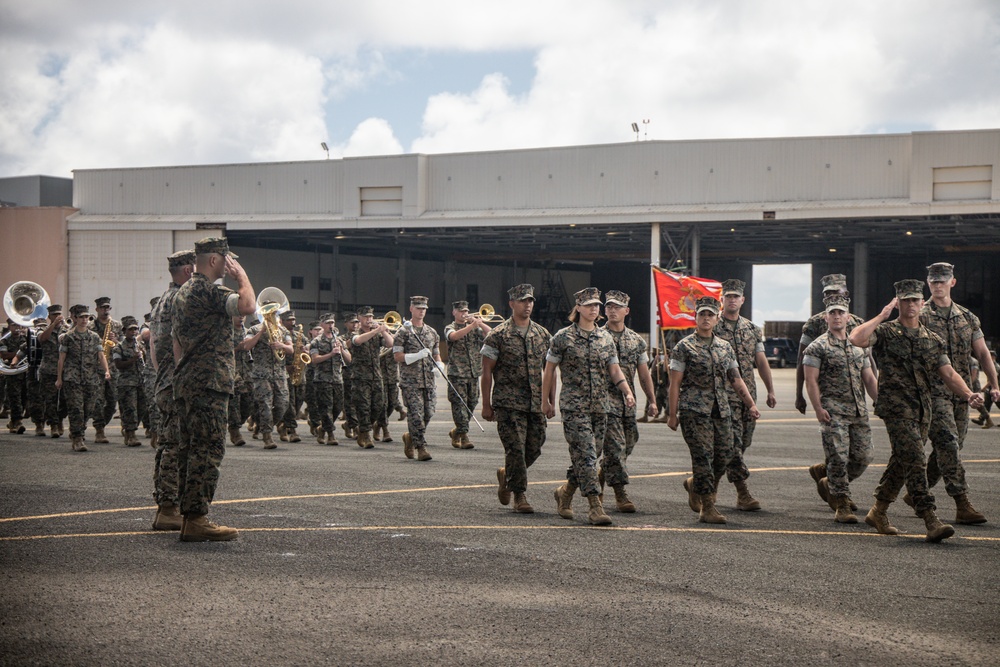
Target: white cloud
[{"x": 372, "y": 137}]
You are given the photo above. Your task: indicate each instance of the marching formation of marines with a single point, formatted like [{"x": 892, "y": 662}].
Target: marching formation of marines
[{"x": 192, "y": 371}]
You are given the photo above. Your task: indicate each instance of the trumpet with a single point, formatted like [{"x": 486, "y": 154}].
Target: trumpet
[
  {"x": 488, "y": 314},
  {"x": 392, "y": 321}
]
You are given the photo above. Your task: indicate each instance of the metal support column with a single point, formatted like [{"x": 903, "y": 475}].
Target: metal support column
[
  {"x": 859, "y": 291},
  {"x": 654, "y": 260},
  {"x": 695, "y": 252}
]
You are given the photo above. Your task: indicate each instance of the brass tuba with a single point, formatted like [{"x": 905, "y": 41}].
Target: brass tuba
[
  {"x": 24, "y": 302},
  {"x": 271, "y": 302}
]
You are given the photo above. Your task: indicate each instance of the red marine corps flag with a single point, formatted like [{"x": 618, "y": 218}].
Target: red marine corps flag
[{"x": 676, "y": 295}]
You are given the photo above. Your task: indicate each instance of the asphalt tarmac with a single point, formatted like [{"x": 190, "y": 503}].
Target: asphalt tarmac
[{"x": 362, "y": 557}]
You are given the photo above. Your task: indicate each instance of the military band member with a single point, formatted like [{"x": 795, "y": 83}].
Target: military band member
[
  {"x": 127, "y": 358},
  {"x": 152, "y": 413},
  {"x": 837, "y": 375},
  {"x": 270, "y": 381},
  {"x": 909, "y": 355},
  {"x": 963, "y": 337},
  {"x": 416, "y": 350},
  {"x": 702, "y": 367},
  {"x": 166, "y": 473},
  {"x": 296, "y": 385},
  {"x": 15, "y": 339},
  {"x": 110, "y": 331},
  {"x": 622, "y": 432},
  {"x": 351, "y": 324},
  {"x": 32, "y": 352},
  {"x": 241, "y": 400},
  {"x": 203, "y": 379},
  {"x": 53, "y": 405},
  {"x": 329, "y": 356},
  {"x": 310, "y": 390},
  {"x": 365, "y": 347},
  {"x": 586, "y": 356},
  {"x": 513, "y": 360},
  {"x": 747, "y": 341},
  {"x": 464, "y": 338},
  {"x": 81, "y": 371},
  {"x": 390, "y": 385}
]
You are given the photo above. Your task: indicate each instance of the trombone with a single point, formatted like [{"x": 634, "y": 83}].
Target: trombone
[
  {"x": 392, "y": 321},
  {"x": 489, "y": 315}
]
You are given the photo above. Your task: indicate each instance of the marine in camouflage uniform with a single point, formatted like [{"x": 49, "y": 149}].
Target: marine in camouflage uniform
[
  {"x": 415, "y": 348},
  {"x": 270, "y": 381},
  {"x": 107, "y": 402},
  {"x": 242, "y": 397},
  {"x": 296, "y": 386},
  {"x": 702, "y": 366},
  {"x": 31, "y": 350},
  {"x": 127, "y": 357},
  {"x": 369, "y": 401},
  {"x": 513, "y": 359},
  {"x": 350, "y": 420},
  {"x": 390, "y": 385},
  {"x": 328, "y": 359},
  {"x": 53, "y": 403},
  {"x": 166, "y": 474},
  {"x": 10, "y": 345},
  {"x": 203, "y": 380},
  {"x": 586, "y": 356},
  {"x": 909, "y": 355},
  {"x": 963, "y": 337},
  {"x": 747, "y": 341},
  {"x": 81, "y": 370},
  {"x": 152, "y": 413},
  {"x": 312, "y": 416},
  {"x": 622, "y": 432},
  {"x": 464, "y": 339},
  {"x": 837, "y": 374}
]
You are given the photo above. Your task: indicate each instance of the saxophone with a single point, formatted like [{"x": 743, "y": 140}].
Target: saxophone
[
  {"x": 301, "y": 358},
  {"x": 107, "y": 343}
]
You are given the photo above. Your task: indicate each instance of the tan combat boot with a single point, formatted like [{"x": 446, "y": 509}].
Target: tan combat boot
[
  {"x": 320, "y": 436},
  {"x": 965, "y": 513},
  {"x": 818, "y": 473},
  {"x": 236, "y": 437},
  {"x": 40, "y": 430},
  {"x": 386, "y": 436},
  {"x": 456, "y": 439},
  {"x": 282, "y": 433},
  {"x": 503, "y": 493},
  {"x": 78, "y": 445},
  {"x": 843, "y": 507},
  {"x": 564, "y": 499},
  {"x": 292, "y": 435},
  {"x": 200, "y": 529},
  {"x": 596, "y": 514},
  {"x": 988, "y": 423},
  {"x": 879, "y": 520},
  {"x": 100, "y": 438},
  {"x": 744, "y": 501},
  {"x": 402, "y": 416},
  {"x": 54, "y": 430},
  {"x": 331, "y": 438},
  {"x": 694, "y": 500},
  {"x": 936, "y": 530},
  {"x": 168, "y": 517},
  {"x": 521, "y": 505},
  {"x": 466, "y": 443},
  {"x": 708, "y": 512},
  {"x": 824, "y": 488},
  {"x": 622, "y": 501},
  {"x": 131, "y": 440},
  {"x": 408, "y": 445},
  {"x": 268, "y": 442},
  {"x": 423, "y": 454}
]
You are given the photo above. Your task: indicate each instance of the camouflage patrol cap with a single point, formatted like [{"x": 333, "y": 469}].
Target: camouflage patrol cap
[
  {"x": 102, "y": 301},
  {"x": 351, "y": 317},
  {"x": 940, "y": 272},
  {"x": 834, "y": 282},
  {"x": 129, "y": 322},
  {"x": 313, "y": 325},
  {"x": 55, "y": 309},
  {"x": 180, "y": 259},
  {"x": 79, "y": 309},
  {"x": 707, "y": 303},
  {"x": 365, "y": 310},
  {"x": 214, "y": 244},
  {"x": 909, "y": 289},
  {"x": 588, "y": 296},
  {"x": 39, "y": 321},
  {"x": 837, "y": 302},
  {"x": 327, "y": 317},
  {"x": 288, "y": 315},
  {"x": 152, "y": 302},
  {"x": 733, "y": 286},
  {"x": 459, "y": 305},
  {"x": 418, "y": 301},
  {"x": 521, "y": 292},
  {"x": 616, "y": 297}
]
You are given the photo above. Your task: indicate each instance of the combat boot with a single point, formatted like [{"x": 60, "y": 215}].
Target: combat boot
[
  {"x": 282, "y": 433},
  {"x": 708, "y": 512},
  {"x": 596, "y": 514},
  {"x": 320, "y": 436},
  {"x": 744, "y": 501},
  {"x": 564, "y": 499},
  {"x": 386, "y": 436},
  {"x": 643, "y": 419},
  {"x": 818, "y": 473},
  {"x": 503, "y": 493},
  {"x": 879, "y": 520},
  {"x": 965, "y": 513},
  {"x": 54, "y": 431},
  {"x": 988, "y": 423},
  {"x": 423, "y": 454},
  {"x": 100, "y": 438},
  {"x": 908, "y": 499},
  {"x": 466, "y": 443},
  {"x": 168, "y": 518},
  {"x": 402, "y": 416},
  {"x": 40, "y": 430},
  {"x": 154, "y": 440},
  {"x": 268, "y": 442},
  {"x": 407, "y": 445},
  {"x": 61, "y": 427},
  {"x": 521, "y": 505},
  {"x": 843, "y": 507},
  {"x": 131, "y": 440},
  {"x": 936, "y": 530},
  {"x": 694, "y": 500},
  {"x": 331, "y": 438},
  {"x": 622, "y": 501},
  {"x": 824, "y": 488},
  {"x": 200, "y": 529},
  {"x": 78, "y": 445},
  {"x": 236, "y": 437},
  {"x": 456, "y": 439},
  {"x": 365, "y": 440},
  {"x": 292, "y": 435},
  {"x": 313, "y": 429}
]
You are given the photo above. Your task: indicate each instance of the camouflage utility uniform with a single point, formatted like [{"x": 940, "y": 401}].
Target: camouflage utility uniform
[
  {"x": 390, "y": 384},
  {"x": 369, "y": 401},
  {"x": 270, "y": 382},
  {"x": 129, "y": 382},
  {"x": 166, "y": 482},
  {"x": 416, "y": 380},
  {"x": 747, "y": 340},
  {"x": 328, "y": 384},
  {"x": 53, "y": 401},
  {"x": 12, "y": 343},
  {"x": 107, "y": 401},
  {"x": 622, "y": 432},
  {"x": 465, "y": 365},
  {"x": 82, "y": 377},
  {"x": 241, "y": 401}
]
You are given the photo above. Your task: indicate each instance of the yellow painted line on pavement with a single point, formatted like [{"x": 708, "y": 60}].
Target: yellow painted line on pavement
[
  {"x": 351, "y": 494},
  {"x": 494, "y": 528}
]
